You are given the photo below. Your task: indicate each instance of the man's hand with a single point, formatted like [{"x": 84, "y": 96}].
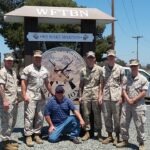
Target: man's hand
[
  {"x": 26, "y": 98},
  {"x": 51, "y": 129},
  {"x": 119, "y": 102},
  {"x": 82, "y": 123},
  {"x": 100, "y": 100},
  {"x": 80, "y": 99},
  {"x": 6, "y": 104},
  {"x": 130, "y": 101}
]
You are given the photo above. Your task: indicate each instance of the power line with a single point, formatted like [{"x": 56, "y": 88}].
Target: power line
[
  {"x": 126, "y": 13},
  {"x": 122, "y": 29},
  {"x": 133, "y": 11}
]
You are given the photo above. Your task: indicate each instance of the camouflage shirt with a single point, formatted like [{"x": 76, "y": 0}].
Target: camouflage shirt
[
  {"x": 91, "y": 80},
  {"x": 113, "y": 80},
  {"x": 134, "y": 86},
  {"x": 35, "y": 81},
  {"x": 9, "y": 79}
]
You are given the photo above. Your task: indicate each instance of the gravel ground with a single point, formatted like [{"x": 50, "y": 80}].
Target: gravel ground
[{"x": 91, "y": 144}]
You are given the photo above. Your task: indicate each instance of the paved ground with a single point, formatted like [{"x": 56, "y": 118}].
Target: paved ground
[{"x": 91, "y": 144}]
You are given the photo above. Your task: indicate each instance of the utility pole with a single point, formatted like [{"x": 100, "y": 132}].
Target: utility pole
[
  {"x": 0, "y": 61},
  {"x": 137, "y": 39},
  {"x": 113, "y": 25}
]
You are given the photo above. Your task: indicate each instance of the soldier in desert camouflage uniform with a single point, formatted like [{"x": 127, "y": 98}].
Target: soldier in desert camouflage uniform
[
  {"x": 90, "y": 82},
  {"x": 134, "y": 92},
  {"x": 34, "y": 80},
  {"x": 8, "y": 102},
  {"x": 113, "y": 77}
]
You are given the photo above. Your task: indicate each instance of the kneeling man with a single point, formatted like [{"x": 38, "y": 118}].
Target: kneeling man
[{"x": 57, "y": 115}]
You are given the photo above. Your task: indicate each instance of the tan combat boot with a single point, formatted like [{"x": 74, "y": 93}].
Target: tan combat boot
[
  {"x": 86, "y": 136},
  {"x": 141, "y": 146},
  {"x": 7, "y": 145},
  {"x": 108, "y": 140},
  {"x": 116, "y": 140},
  {"x": 37, "y": 139},
  {"x": 99, "y": 136},
  {"x": 124, "y": 143},
  {"x": 29, "y": 141},
  {"x": 14, "y": 143}
]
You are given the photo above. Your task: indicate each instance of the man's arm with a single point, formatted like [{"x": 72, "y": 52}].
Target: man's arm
[
  {"x": 141, "y": 95},
  {"x": 2, "y": 92},
  {"x": 24, "y": 89},
  {"x": 50, "y": 123},
  {"x": 78, "y": 115},
  {"x": 4, "y": 99},
  {"x": 81, "y": 86},
  {"x": 48, "y": 87},
  {"x": 129, "y": 100},
  {"x": 100, "y": 94}
]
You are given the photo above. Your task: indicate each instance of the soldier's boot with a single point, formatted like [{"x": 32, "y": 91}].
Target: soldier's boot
[
  {"x": 99, "y": 136},
  {"x": 108, "y": 140},
  {"x": 37, "y": 139},
  {"x": 116, "y": 140},
  {"x": 7, "y": 145},
  {"x": 29, "y": 141},
  {"x": 14, "y": 143},
  {"x": 86, "y": 136},
  {"x": 124, "y": 143},
  {"x": 141, "y": 146}
]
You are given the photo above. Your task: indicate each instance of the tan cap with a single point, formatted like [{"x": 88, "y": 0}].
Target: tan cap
[
  {"x": 37, "y": 53},
  {"x": 133, "y": 62},
  {"x": 111, "y": 52},
  {"x": 8, "y": 56},
  {"x": 90, "y": 54}
]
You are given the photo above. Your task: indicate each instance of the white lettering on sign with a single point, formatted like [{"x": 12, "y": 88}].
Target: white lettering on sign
[
  {"x": 62, "y": 12},
  {"x": 53, "y": 12},
  {"x": 42, "y": 11},
  {"x": 63, "y": 37}
]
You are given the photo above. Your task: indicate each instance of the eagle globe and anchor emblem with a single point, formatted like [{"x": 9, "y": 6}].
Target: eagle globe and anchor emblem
[{"x": 64, "y": 65}]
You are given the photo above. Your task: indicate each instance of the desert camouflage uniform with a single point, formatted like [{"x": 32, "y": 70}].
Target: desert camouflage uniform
[
  {"x": 112, "y": 93},
  {"x": 91, "y": 81},
  {"x": 35, "y": 90},
  {"x": 133, "y": 87},
  {"x": 8, "y": 118}
]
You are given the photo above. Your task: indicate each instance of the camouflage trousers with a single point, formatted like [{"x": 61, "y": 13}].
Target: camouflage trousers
[
  {"x": 139, "y": 118},
  {"x": 33, "y": 117},
  {"x": 112, "y": 112},
  {"x": 89, "y": 107},
  {"x": 8, "y": 121}
]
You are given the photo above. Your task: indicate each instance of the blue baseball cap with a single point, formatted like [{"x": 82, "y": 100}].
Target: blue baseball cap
[{"x": 59, "y": 89}]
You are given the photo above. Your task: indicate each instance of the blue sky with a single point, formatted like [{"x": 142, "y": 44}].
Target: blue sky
[{"x": 132, "y": 20}]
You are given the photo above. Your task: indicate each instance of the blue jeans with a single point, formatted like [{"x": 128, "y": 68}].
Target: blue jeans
[{"x": 70, "y": 127}]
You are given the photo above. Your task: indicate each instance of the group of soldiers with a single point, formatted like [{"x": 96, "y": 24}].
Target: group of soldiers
[
  {"x": 102, "y": 89},
  {"x": 118, "y": 96}
]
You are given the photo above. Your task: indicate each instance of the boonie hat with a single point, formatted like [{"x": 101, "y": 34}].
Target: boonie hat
[{"x": 133, "y": 62}]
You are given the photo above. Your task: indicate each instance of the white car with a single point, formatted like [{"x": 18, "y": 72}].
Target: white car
[{"x": 145, "y": 74}]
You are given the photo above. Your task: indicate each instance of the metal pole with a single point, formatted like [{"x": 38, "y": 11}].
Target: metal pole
[
  {"x": 0, "y": 61},
  {"x": 137, "y": 39}
]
